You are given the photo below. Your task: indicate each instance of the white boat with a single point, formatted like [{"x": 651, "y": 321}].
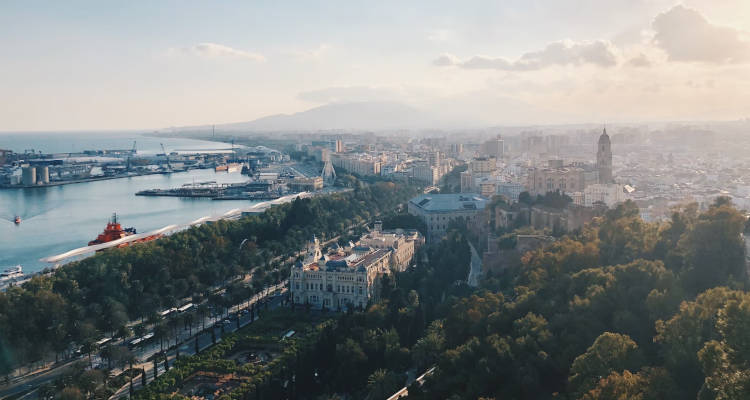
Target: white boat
[{"x": 11, "y": 273}]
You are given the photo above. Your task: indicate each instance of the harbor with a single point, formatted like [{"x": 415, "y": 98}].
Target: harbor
[
  {"x": 56, "y": 219},
  {"x": 171, "y": 180}
]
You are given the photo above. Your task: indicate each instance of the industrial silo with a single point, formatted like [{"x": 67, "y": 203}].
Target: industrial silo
[
  {"x": 42, "y": 174},
  {"x": 28, "y": 176}
]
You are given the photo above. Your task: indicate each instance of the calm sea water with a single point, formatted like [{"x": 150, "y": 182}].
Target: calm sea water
[{"x": 61, "y": 218}]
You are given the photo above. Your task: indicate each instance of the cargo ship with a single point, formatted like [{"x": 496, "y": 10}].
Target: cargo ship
[
  {"x": 114, "y": 231},
  {"x": 231, "y": 167}
]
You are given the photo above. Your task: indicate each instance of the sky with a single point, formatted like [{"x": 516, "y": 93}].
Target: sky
[{"x": 79, "y": 65}]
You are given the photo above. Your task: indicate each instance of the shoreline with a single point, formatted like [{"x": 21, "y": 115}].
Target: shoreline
[{"x": 87, "y": 180}]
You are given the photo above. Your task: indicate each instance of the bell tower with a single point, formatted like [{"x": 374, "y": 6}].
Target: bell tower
[{"x": 604, "y": 158}]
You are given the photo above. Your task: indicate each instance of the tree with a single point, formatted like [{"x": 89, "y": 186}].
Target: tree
[
  {"x": 352, "y": 360},
  {"x": 161, "y": 332},
  {"x": 714, "y": 249},
  {"x": 726, "y": 362},
  {"x": 381, "y": 384},
  {"x": 89, "y": 347},
  {"x": 90, "y": 380},
  {"x": 683, "y": 335},
  {"x": 610, "y": 352},
  {"x": 647, "y": 384},
  {"x": 71, "y": 393}
]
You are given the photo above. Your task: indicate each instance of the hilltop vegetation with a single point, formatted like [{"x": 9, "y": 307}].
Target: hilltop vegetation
[{"x": 622, "y": 309}]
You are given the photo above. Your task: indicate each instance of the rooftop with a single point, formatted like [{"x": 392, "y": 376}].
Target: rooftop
[{"x": 449, "y": 202}]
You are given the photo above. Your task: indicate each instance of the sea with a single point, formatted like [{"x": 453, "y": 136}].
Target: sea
[{"x": 57, "y": 219}]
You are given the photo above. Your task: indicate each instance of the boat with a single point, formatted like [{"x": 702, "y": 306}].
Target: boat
[
  {"x": 17, "y": 220},
  {"x": 11, "y": 273},
  {"x": 231, "y": 167},
  {"x": 115, "y": 231}
]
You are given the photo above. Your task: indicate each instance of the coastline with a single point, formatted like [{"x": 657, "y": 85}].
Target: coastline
[{"x": 87, "y": 180}]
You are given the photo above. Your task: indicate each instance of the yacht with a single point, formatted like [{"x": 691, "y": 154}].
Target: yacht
[{"x": 11, "y": 273}]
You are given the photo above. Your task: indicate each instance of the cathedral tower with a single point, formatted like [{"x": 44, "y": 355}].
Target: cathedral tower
[{"x": 604, "y": 158}]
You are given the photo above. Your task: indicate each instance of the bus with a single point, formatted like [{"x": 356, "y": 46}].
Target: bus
[
  {"x": 166, "y": 313},
  {"x": 186, "y": 307},
  {"x": 141, "y": 340}
]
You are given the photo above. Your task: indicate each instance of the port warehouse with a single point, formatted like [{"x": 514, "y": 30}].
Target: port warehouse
[{"x": 31, "y": 169}]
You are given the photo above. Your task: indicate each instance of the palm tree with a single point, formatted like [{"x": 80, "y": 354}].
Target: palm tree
[
  {"x": 189, "y": 321},
  {"x": 381, "y": 384},
  {"x": 161, "y": 331},
  {"x": 89, "y": 347},
  {"x": 202, "y": 312}
]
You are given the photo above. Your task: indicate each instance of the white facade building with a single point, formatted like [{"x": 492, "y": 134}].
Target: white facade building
[{"x": 349, "y": 277}]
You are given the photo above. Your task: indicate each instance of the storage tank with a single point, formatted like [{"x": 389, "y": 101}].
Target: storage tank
[
  {"x": 42, "y": 174},
  {"x": 28, "y": 176}
]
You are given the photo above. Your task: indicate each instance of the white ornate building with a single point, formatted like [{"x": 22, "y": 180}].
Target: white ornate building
[{"x": 349, "y": 277}]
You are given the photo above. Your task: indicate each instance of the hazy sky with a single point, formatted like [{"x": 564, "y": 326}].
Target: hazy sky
[{"x": 154, "y": 64}]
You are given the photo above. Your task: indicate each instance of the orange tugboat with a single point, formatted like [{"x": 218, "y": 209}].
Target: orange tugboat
[{"x": 114, "y": 231}]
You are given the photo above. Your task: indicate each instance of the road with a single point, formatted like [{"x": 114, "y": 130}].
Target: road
[
  {"x": 476, "y": 268},
  {"x": 184, "y": 337},
  {"x": 187, "y": 347}
]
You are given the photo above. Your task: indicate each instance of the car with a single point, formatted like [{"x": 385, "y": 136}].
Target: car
[
  {"x": 244, "y": 312},
  {"x": 227, "y": 322}
]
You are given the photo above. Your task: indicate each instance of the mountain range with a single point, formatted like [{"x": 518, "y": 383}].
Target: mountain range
[{"x": 366, "y": 115}]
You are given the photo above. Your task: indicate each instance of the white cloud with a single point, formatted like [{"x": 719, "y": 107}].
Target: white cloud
[
  {"x": 686, "y": 35},
  {"x": 312, "y": 54},
  {"x": 447, "y": 59},
  {"x": 215, "y": 50},
  {"x": 640, "y": 61},
  {"x": 598, "y": 52}
]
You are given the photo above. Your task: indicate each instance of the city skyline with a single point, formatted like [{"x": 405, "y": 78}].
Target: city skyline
[{"x": 83, "y": 65}]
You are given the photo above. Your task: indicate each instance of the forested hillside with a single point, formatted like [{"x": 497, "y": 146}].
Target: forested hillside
[{"x": 622, "y": 309}]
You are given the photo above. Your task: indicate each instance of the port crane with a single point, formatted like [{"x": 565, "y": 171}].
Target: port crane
[
  {"x": 132, "y": 152},
  {"x": 169, "y": 167}
]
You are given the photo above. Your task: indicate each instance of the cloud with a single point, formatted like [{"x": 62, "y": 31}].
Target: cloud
[
  {"x": 598, "y": 52},
  {"x": 639, "y": 61},
  {"x": 686, "y": 35},
  {"x": 312, "y": 54},
  {"x": 447, "y": 60},
  {"x": 215, "y": 50}
]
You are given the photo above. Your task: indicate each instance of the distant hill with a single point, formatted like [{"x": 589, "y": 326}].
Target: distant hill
[{"x": 371, "y": 115}]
